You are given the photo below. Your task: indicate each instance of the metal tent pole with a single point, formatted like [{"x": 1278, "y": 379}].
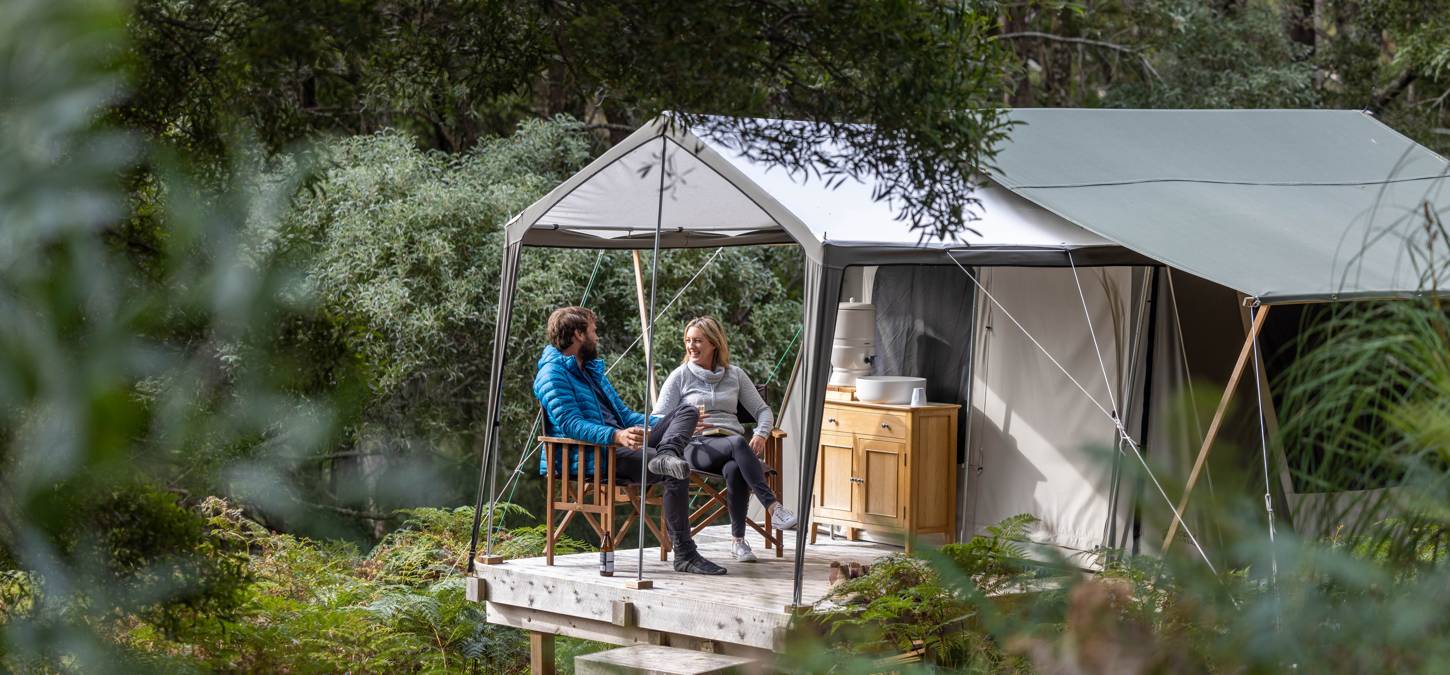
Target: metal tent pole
[
  {"x": 823, "y": 292},
  {"x": 488, "y": 464},
  {"x": 649, "y": 357},
  {"x": 1144, "y": 424}
]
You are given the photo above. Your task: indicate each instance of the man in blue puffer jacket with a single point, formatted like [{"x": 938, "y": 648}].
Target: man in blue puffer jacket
[{"x": 580, "y": 403}]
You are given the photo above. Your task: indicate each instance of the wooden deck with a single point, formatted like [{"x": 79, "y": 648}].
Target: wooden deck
[{"x": 743, "y": 613}]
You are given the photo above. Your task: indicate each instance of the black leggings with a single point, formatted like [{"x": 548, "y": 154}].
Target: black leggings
[{"x": 731, "y": 457}]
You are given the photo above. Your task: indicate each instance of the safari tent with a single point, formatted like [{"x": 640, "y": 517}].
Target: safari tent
[{"x": 1120, "y": 256}]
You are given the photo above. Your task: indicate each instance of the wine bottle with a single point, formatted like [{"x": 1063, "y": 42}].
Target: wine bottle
[{"x": 606, "y": 556}]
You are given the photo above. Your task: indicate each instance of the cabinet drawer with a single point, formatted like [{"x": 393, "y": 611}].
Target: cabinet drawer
[{"x": 864, "y": 422}]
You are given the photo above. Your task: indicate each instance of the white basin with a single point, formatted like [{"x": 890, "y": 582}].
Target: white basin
[{"x": 894, "y": 389}]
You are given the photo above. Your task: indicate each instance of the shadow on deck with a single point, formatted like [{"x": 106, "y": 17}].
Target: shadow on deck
[{"x": 742, "y": 613}]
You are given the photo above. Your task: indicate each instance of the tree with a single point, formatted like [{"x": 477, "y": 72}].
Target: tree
[
  {"x": 108, "y": 377},
  {"x": 922, "y": 73}
]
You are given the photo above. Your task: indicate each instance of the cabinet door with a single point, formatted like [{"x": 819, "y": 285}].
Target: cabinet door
[
  {"x": 834, "y": 484},
  {"x": 882, "y": 474}
]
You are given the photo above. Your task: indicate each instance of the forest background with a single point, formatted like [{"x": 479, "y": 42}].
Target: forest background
[{"x": 250, "y": 259}]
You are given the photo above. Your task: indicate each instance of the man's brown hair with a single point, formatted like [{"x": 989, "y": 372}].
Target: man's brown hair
[{"x": 565, "y": 321}]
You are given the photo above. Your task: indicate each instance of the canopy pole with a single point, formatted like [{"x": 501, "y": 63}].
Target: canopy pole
[
  {"x": 1144, "y": 424},
  {"x": 644, "y": 312},
  {"x": 822, "y": 294},
  {"x": 1264, "y": 451},
  {"x": 649, "y": 367},
  {"x": 488, "y": 463},
  {"x": 1217, "y": 421},
  {"x": 1147, "y": 294}
]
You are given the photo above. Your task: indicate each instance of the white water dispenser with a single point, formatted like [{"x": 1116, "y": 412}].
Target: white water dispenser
[{"x": 854, "y": 346}]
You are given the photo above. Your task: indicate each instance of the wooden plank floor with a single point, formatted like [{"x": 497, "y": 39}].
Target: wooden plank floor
[{"x": 746, "y": 608}]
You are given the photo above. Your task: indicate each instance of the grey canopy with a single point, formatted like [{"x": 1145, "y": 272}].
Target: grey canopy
[{"x": 1281, "y": 205}]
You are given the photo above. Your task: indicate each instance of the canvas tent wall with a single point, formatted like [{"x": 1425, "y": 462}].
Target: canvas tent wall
[
  {"x": 1281, "y": 206},
  {"x": 1038, "y": 444}
]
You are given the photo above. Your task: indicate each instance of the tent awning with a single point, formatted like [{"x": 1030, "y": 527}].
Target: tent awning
[{"x": 1281, "y": 205}]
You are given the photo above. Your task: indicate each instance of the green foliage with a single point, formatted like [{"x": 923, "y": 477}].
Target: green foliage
[
  {"x": 175, "y": 571},
  {"x": 905, "y": 601},
  {"x": 1207, "y": 56},
  {"x": 995, "y": 562},
  {"x": 322, "y": 607},
  {"x": 98, "y": 394},
  {"x": 1369, "y": 388},
  {"x": 406, "y": 248}
]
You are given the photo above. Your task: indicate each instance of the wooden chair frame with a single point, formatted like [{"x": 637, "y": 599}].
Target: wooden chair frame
[
  {"x": 594, "y": 496},
  {"x": 717, "y": 505}
]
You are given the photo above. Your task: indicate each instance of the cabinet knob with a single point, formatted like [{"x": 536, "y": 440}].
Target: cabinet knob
[
  {"x": 831, "y": 420},
  {"x": 885, "y": 425},
  {"x": 854, "y": 479}
]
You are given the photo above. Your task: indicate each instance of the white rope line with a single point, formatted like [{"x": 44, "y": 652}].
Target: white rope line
[
  {"x": 620, "y": 359},
  {"x": 1192, "y": 397},
  {"x": 1029, "y": 335},
  {"x": 1117, "y": 424},
  {"x": 1183, "y": 352},
  {"x": 539, "y": 417},
  {"x": 1107, "y": 381},
  {"x": 1264, "y": 447},
  {"x": 527, "y": 453},
  {"x": 1176, "y": 515},
  {"x": 1117, "y": 421}
]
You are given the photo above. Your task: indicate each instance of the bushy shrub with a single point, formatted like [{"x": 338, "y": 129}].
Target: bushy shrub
[
  {"x": 905, "y": 604},
  {"x": 309, "y": 606}
]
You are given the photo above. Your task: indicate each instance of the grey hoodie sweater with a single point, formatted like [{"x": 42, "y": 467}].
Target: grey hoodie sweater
[{"x": 719, "y": 391}]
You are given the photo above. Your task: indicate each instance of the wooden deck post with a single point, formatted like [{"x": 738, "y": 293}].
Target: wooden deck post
[
  {"x": 1213, "y": 426},
  {"x": 541, "y": 653}
]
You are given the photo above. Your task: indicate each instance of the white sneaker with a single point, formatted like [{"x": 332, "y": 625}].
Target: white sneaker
[
  {"x": 741, "y": 551},
  {"x": 783, "y": 518}
]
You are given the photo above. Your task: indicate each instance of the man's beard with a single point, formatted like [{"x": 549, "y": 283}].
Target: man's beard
[{"x": 588, "y": 350}]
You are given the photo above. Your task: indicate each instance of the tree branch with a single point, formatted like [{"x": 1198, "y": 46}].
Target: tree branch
[
  {"x": 366, "y": 515},
  {"x": 609, "y": 125},
  {"x": 1391, "y": 91},
  {"x": 1147, "y": 66},
  {"x": 346, "y": 454}
]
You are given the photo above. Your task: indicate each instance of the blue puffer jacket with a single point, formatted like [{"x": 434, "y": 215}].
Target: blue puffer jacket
[{"x": 571, "y": 409}]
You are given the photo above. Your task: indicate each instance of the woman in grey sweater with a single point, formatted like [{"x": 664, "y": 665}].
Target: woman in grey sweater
[{"x": 707, "y": 380}]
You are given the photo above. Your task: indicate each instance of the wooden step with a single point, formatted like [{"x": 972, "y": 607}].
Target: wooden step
[{"x": 660, "y": 660}]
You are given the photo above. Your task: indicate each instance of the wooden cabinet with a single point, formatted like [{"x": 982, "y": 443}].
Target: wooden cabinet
[{"x": 888, "y": 468}]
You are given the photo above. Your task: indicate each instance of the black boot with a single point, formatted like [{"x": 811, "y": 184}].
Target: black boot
[
  {"x": 666, "y": 463},
  {"x": 695, "y": 563}
]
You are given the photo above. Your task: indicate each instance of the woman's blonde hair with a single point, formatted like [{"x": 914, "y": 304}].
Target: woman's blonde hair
[{"x": 716, "y": 335}]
